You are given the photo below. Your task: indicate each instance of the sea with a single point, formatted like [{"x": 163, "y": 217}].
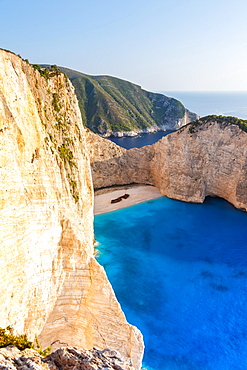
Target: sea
[
  {"x": 179, "y": 270},
  {"x": 228, "y": 103}
]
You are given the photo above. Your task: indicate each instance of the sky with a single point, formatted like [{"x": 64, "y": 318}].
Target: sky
[{"x": 172, "y": 45}]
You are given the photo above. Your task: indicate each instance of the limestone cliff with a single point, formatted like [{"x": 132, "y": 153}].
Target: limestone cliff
[
  {"x": 205, "y": 158},
  {"x": 113, "y": 165},
  {"x": 50, "y": 283}
]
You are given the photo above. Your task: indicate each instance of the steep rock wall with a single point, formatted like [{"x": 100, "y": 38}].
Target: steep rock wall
[
  {"x": 113, "y": 165},
  {"x": 205, "y": 158},
  {"x": 50, "y": 282}
]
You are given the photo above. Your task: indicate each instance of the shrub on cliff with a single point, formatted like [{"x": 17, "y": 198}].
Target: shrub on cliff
[
  {"x": 40, "y": 350},
  {"x": 7, "y": 338},
  {"x": 47, "y": 72}
]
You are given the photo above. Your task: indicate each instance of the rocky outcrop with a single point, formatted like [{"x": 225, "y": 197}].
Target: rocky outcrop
[
  {"x": 207, "y": 158},
  {"x": 50, "y": 283},
  {"x": 100, "y": 149},
  {"x": 187, "y": 118},
  {"x": 113, "y": 165},
  {"x": 12, "y": 358},
  {"x": 63, "y": 359},
  {"x": 204, "y": 158}
]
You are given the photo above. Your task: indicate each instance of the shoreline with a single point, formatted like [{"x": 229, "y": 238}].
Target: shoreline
[{"x": 137, "y": 194}]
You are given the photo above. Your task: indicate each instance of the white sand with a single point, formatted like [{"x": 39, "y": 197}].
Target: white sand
[{"x": 138, "y": 194}]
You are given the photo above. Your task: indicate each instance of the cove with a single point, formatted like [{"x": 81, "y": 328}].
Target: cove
[
  {"x": 179, "y": 271},
  {"x": 140, "y": 140}
]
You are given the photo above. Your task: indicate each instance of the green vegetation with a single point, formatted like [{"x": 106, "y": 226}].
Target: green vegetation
[
  {"x": 7, "y": 338},
  {"x": 61, "y": 135},
  {"x": 66, "y": 155},
  {"x": 37, "y": 346},
  {"x": 55, "y": 102},
  {"x": 109, "y": 103},
  {"x": 47, "y": 72},
  {"x": 43, "y": 72},
  {"x": 73, "y": 188}
]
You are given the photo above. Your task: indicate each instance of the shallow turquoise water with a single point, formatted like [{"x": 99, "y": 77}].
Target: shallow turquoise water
[{"x": 179, "y": 271}]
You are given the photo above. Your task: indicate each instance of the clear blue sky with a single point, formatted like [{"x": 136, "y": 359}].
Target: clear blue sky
[{"x": 158, "y": 44}]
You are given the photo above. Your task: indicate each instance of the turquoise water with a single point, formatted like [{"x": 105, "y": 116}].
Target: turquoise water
[{"x": 179, "y": 271}]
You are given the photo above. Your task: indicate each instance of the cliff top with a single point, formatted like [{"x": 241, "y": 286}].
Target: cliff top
[
  {"x": 110, "y": 105},
  {"x": 224, "y": 121},
  {"x": 9, "y": 51}
]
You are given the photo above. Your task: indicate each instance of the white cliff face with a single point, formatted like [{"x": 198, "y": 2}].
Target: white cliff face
[
  {"x": 207, "y": 158},
  {"x": 50, "y": 282},
  {"x": 187, "y": 118}
]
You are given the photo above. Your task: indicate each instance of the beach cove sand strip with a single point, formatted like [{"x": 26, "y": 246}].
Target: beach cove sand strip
[{"x": 137, "y": 194}]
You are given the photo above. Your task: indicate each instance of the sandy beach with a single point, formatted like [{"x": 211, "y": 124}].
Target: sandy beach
[{"x": 137, "y": 194}]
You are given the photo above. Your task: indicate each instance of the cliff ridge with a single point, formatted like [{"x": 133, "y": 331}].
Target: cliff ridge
[{"x": 51, "y": 284}]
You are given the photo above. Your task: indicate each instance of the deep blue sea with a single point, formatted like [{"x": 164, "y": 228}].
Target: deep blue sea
[
  {"x": 140, "y": 140},
  {"x": 179, "y": 271},
  {"x": 229, "y": 103}
]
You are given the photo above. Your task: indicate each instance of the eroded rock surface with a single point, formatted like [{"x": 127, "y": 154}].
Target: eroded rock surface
[
  {"x": 12, "y": 358},
  {"x": 63, "y": 359},
  {"x": 50, "y": 283},
  {"x": 113, "y": 165},
  {"x": 207, "y": 158}
]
